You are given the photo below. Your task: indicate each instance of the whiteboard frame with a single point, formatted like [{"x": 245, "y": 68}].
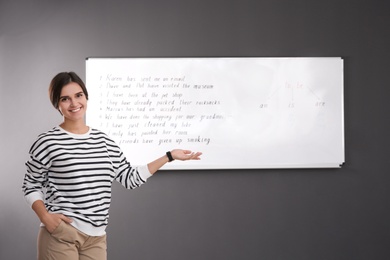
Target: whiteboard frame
[{"x": 200, "y": 165}]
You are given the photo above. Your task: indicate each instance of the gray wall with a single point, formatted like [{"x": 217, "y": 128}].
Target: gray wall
[{"x": 231, "y": 214}]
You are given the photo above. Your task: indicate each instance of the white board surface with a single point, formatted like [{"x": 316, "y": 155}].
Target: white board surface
[{"x": 242, "y": 113}]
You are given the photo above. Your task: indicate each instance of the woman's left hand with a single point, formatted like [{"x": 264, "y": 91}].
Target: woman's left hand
[{"x": 184, "y": 155}]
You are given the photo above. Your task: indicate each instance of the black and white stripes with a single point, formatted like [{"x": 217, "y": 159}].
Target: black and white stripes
[{"x": 73, "y": 175}]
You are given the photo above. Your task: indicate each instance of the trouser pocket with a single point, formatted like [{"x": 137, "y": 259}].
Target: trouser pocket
[{"x": 65, "y": 233}]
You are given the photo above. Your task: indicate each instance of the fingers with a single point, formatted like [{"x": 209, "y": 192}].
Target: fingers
[
  {"x": 185, "y": 154},
  {"x": 66, "y": 219},
  {"x": 197, "y": 156},
  {"x": 192, "y": 155}
]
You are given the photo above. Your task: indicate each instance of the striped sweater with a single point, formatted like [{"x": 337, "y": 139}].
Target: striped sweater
[{"x": 73, "y": 175}]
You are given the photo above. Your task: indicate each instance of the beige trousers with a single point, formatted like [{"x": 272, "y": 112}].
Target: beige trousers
[{"x": 67, "y": 243}]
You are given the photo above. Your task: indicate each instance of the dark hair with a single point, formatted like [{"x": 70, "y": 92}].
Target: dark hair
[{"x": 59, "y": 81}]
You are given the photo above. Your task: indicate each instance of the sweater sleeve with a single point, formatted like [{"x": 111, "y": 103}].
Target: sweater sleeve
[
  {"x": 34, "y": 180},
  {"x": 131, "y": 177}
]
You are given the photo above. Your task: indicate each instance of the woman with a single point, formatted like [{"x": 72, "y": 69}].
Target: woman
[{"x": 69, "y": 176}]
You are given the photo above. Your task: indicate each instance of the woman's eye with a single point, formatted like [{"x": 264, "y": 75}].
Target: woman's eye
[{"x": 63, "y": 99}]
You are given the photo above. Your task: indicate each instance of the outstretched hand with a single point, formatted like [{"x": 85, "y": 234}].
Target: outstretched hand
[
  {"x": 177, "y": 154},
  {"x": 184, "y": 155}
]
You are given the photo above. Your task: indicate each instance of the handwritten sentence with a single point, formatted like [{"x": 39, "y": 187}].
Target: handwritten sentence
[{"x": 153, "y": 110}]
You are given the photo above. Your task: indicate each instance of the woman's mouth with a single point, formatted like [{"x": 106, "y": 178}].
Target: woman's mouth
[{"x": 75, "y": 110}]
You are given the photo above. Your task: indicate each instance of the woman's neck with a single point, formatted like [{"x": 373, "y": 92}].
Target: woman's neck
[{"x": 75, "y": 127}]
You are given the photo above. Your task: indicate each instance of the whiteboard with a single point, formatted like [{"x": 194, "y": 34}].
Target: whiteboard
[{"x": 242, "y": 113}]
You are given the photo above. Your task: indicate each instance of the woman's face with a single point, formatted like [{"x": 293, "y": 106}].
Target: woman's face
[{"x": 72, "y": 103}]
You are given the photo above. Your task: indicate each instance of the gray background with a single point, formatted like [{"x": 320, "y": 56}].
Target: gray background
[{"x": 230, "y": 214}]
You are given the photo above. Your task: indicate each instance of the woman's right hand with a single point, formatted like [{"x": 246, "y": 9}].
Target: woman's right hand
[{"x": 52, "y": 221}]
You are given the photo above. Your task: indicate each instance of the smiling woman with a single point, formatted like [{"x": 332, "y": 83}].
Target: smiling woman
[
  {"x": 61, "y": 80},
  {"x": 72, "y": 105},
  {"x": 70, "y": 173}
]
